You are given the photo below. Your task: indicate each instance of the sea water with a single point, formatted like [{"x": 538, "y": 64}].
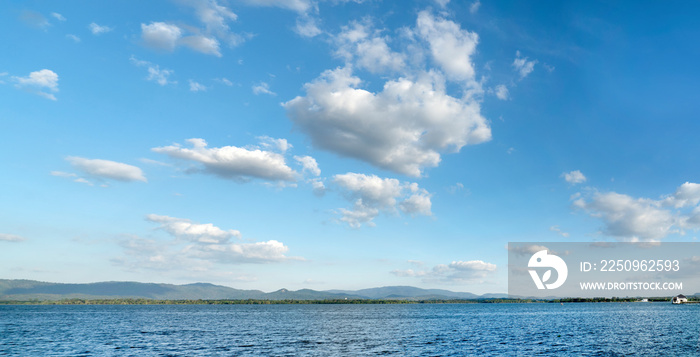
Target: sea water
[{"x": 576, "y": 329}]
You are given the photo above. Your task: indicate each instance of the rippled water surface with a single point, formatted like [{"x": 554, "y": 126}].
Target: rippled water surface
[{"x": 588, "y": 329}]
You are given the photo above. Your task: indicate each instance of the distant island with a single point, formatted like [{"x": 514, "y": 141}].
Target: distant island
[{"x": 133, "y": 293}]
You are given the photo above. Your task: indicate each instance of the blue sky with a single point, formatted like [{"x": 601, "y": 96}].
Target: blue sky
[{"x": 339, "y": 144}]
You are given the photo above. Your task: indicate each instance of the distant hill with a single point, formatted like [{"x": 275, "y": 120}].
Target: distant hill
[
  {"x": 407, "y": 292},
  {"x": 23, "y": 290}
]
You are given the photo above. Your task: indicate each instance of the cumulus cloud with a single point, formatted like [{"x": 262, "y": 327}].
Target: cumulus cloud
[
  {"x": 308, "y": 164},
  {"x": 474, "y": 7},
  {"x": 155, "y": 73},
  {"x": 627, "y": 218},
  {"x": 522, "y": 65},
  {"x": 417, "y": 203},
  {"x": 98, "y": 30},
  {"x": 74, "y": 38},
  {"x": 406, "y": 125},
  {"x": 105, "y": 169},
  {"x": 403, "y": 128},
  {"x": 160, "y": 35},
  {"x": 369, "y": 50},
  {"x": 281, "y": 145},
  {"x": 371, "y": 195},
  {"x": 687, "y": 195},
  {"x": 39, "y": 82},
  {"x": 318, "y": 186},
  {"x": 262, "y": 88},
  {"x": 203, "y": 44},
  {"x": 502, "y": 92},
  {"x": 185, "y": 229},
  {"x": 160, "y": 76},
  {"x": 4, "y": 237},
  {"x": 231, "y": 162},
  {"x": 472, "y": 271},
  {"x": 450, "y": 46},
  {"x": 574, "y": 177},
  {"x": 301, "y": 6},
  {"x": 442, "y": 3},
  {"x": 167, "y": 37},
  {"x": 215, "y": 19},
  {"x": 197, "y": 87},
  {"x": 196, "y": 244},
  {"x": 307, "y": 26}
]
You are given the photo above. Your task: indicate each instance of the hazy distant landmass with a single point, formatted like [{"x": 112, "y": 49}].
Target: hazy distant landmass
[{"x": 24, "y": 290}]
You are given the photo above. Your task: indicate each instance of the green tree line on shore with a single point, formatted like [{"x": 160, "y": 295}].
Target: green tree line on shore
[{"x": 127, "y": 301}]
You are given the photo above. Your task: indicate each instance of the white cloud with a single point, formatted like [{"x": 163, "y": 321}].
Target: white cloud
[
  {"x": 75, "y": 38},
  {"x": 418, "y": 203},
  {"x": 225, "y": 81},
  {"x": 450, "y": 46},
  {"x": 472, "y": 271},
  {"x": 197, "y": 87},
  {"x": 301, "y": 6},
  {"x": 160, "y": 35},
  {"x": 158, "y": 75},
  {"x": 308, "y": 164},
  {"x": 502, "y": 92},
  {"x": 44, "y": 78},
  {"x": 403, "y": 128},
  {"x": 167, "y": 37},
  {"x": 34, "y": 19},
  {"x": 215, "y": 18},
  {"x": 39, "y": 81},
  {"x": 307, "y": 26},
  {"x": 411, "y": 121},
  {"x": 559, "y": 231},
  {"x": 196, "y": 232},
  {"x": 106, "y": 169},
  {"x": 687, "y": 195},
  {"x": 522, "y": 65},
  {"x": 442, "y": 3},
  {"x": 58, "y": 16},
  {"x": 317, "y": 186},
  {"x": 98, "y": 30},
  {"x": 370, "y": 51},
  {"x": 574, "y": 177},
  {"x": 630, "y": 218},
  {"x": 371, "y": 195},
  {"x": 281, "y": 145},
  {"x": 474, "y": 7},
  {"x": 231, "y": 162},
  {"x": 642, "y": 219},
  {"x": 155, "y": 74},
  {"x": 203, "y": 44},
  {"x": 197, "y": 246},
  {"x": 11, "y": 238},
  {"x": 85, "y": 181},
  {"x": 262, "y": 88}
]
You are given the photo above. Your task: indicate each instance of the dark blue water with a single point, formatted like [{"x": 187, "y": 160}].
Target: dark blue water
[{"x": 605, "y": 329}]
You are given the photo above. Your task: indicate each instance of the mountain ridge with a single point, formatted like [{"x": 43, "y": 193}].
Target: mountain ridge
[{"x": 23, "y": 290}]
